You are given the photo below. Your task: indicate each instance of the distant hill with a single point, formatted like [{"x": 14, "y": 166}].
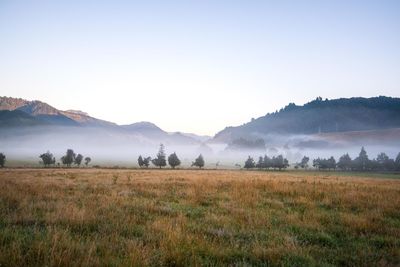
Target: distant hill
[
  {"x": 321, "y": 116},
  {"x": 85, "y": 120},
  {"x": 152, "y": 131},
  {"x": 144, "y": 127},
  {"x": 201, "y": 138},
  {"x": 15, "y": 118},
  {"x": 50, "y": 115},
  {"x": 21, "y": 113},
  {"x": 46, "y": 113}
]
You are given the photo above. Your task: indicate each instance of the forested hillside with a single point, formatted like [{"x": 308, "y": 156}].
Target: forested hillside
[{"x": 323, "y": 116}]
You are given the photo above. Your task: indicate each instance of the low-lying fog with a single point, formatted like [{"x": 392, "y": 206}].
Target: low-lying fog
[{"x": 23, "y": 146}]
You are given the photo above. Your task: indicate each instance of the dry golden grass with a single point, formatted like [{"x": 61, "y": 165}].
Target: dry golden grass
[{"x": 92, "y": 217}]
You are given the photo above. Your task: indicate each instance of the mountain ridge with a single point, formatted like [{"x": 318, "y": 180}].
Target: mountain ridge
[{"x": 38, "y": 113}]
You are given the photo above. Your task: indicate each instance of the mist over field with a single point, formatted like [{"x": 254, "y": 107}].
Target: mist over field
[{"x": 112, "y": 147}]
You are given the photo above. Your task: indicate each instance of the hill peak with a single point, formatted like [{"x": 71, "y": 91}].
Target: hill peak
[{"x": 142, "y": 125}]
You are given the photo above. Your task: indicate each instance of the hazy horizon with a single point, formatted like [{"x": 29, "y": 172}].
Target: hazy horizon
[{"x": 196, "y": 66}]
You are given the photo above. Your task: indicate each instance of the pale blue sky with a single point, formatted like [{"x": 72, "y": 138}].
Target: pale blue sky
[{"x": 196, "y": 66}]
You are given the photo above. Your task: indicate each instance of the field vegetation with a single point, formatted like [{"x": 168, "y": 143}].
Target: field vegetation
[{"x": 92, "y": 217}]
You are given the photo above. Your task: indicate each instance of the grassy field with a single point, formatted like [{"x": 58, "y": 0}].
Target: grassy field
[{"x": 92, "y": 217}]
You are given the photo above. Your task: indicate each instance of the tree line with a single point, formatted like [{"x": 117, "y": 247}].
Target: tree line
[
  {"x": 161, "y": 160},
  {"x": 265, "y": 162},
  {"x": 48, "y": 159},
  {"x": 382, "y": 162},
  {"x": 345, "y": 163},
  {"x": 70, "y": 157}
]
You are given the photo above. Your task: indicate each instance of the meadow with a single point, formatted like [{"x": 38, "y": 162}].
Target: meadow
[{"x": 110, "y": 217}]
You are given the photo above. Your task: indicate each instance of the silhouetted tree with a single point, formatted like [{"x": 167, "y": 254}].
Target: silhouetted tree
[
  {"x": 260, "y": 163},
  {"x": 331, "y": 163},
  {"x": 382, "y": 158},
  {"x": 160, "y": 160},
  {"x": 323, "y": 164},
  {"x": 317, "y": 163},
  {"x": 173, "y": 160},
  {"x": 87, "y": 161},
  {"x": 320, "y": 163},
  {"x": 381, "y": 161},
  {"x": 146, "y": 161},
  {"x": 2, "y": 160},
  {"x": 280, "y": 162},
  {"x": 199, "y": 162},
  {"x": 385, "y": 163},
  {"x": 345, "y": 162},
  {"x": 362, "y": 162},
  {"x": 267, "y": 162},
  {"x": 69, "y": 158},
  {"x": 304, "y": 162},
  {"x": 249, "y": 163},
  {"x": 78, "y": 160},
  {"x": 48, "y": 159},
  {"x": 140, "y": 161},
  {"x": 373, "y": 165},
  {"x": 397, "y": 162},
  {"x": 391, "y": 165}
]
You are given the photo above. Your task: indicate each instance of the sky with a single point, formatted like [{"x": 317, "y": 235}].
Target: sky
[{"x": 196, "y": 66}]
